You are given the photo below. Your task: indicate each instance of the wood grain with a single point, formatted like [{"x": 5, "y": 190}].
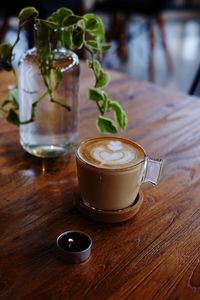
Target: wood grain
[{"x": 155, "y": 255}]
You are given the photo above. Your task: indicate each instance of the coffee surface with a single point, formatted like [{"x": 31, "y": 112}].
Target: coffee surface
[{"x": 111, "y": 153}]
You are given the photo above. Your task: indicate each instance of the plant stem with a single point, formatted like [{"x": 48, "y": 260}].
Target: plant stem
[
  {"x": 99, "y": 107},
  {"x": 34, "y": 105},
  {"x": 60, "y": 104},
  {"x": 17, "y": 39}
]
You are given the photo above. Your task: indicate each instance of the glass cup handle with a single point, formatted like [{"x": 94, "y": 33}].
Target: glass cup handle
[{"x": 153, "y": 170}]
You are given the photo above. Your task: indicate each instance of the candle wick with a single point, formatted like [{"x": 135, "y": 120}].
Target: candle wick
[{"x": 70, "y": 242}]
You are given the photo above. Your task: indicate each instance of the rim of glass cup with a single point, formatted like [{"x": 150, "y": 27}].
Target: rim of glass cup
[{"x": 114, "y": 169}]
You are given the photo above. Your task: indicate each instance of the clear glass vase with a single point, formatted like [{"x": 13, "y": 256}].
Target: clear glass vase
[{"x": 49, "y": 129}]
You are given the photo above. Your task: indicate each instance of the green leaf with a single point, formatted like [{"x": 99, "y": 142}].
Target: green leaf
[
  {"x": 5, "y": 51},
  {"x": 13, "y": 117},
  {"x": 106, "y": 125},
  {"x": 59, "y": 15},
  {"x": 120, "y": 114},
  {"x": 91, "y": 22},
  {"x": 93, "y": 46},
  {"x": 71, "y": 20},
  {"x": 105, "y": 47},
  {"x": 53, "y": 18},
  {"x": 103, "y": 79},
  {"x": 78, "y": 38},
  {"x": 67, "y": 38},
  {"x": 13, "y": 93},
  {"x": 12, "y": 99},
  {"x": 48, "y": 23},
  {"x": 97, "y": 28},
  {"x": 95, "y": 66},
  {"x": 96, "y": 94},
  {"x": 62, "y": 13},
  {"x": 6, "y": 102},
  {"x": 26, "y": 14},
  {"x": 6, "y": 57}
]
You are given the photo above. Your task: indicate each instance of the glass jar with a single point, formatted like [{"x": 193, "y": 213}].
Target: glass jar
[{"x": 48, "y": 103}]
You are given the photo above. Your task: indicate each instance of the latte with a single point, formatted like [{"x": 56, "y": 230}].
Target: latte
[
  {"x": 110, "y": 153},
  {"x": 111, "y": 170}
]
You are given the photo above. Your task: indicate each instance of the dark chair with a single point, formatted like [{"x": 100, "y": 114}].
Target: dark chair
[
  {"x": 120, "y": 13},
  {"x": 195, "y": 86}
]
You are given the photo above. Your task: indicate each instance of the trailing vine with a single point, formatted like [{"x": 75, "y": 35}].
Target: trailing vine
[{"x": 74, "y": 32}]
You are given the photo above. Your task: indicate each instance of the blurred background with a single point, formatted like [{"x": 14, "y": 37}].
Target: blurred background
[{"x": 152, "y": 40}]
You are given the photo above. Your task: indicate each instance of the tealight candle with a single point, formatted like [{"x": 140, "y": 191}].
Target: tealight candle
[{"x": 74, "y": 246}]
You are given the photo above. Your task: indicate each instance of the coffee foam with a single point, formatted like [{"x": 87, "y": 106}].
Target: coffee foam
[{"x": 110, "y": 152}]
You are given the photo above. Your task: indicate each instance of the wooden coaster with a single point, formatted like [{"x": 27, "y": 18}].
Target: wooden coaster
[{"x": 109, "y": 216}]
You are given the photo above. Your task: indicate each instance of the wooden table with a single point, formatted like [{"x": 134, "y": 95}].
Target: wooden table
[{"x": 155, "y": 255}]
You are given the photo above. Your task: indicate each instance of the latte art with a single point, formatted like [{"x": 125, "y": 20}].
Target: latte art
[
  {"x": 111, "y": 153},
  {"x": 115, "y": 145}
]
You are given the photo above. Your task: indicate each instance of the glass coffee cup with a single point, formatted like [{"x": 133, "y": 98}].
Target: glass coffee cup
[{"x": 111, "y": 171}]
